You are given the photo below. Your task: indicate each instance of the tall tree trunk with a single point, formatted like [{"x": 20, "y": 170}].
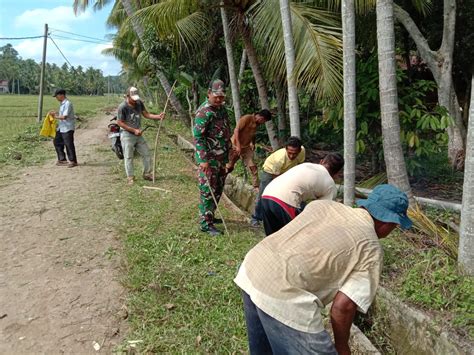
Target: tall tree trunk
[
  {"x": 243, "y": 62},
  {"x": 349, "y": 69},
  {"x": 127, "y": 5},
  {"x": 466, "y": 233},
  {"x": 281, "y": 109},
  {"x": 290, "y": 65},
  {"x": 440, "y": 64},
  {"x": 393, "y": 153},
  {"x": 445, "y": 86},
  {"x": 261, "y": 86},
  {"x": 230, "y": 64}
]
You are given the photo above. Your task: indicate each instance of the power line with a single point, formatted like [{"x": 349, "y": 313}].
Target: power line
[
  {"x": 16, "y": 38},
  {"x": 78, "y": 35},
  {"x": 79, "y": 40},
  {"x": 60, "y": 51}
]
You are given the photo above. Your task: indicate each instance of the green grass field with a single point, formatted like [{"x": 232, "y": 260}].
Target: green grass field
[{"x": 19, "y": 132}]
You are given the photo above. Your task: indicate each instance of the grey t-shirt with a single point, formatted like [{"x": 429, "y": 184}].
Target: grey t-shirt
[{"x": 131, "y": 115}]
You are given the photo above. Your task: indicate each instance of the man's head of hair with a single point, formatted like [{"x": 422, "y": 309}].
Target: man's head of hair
[
  {"x": 388, "y": 207},
  {"x": 266, "y": 114},
  {"x": 293, "y": 147},
  {"x": 294, "y": 142},
  {"x": 333, "y": 162},
  {"x": 59, "y": 92}
]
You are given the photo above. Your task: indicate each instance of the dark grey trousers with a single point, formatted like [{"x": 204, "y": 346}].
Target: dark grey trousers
[{"x": 65, "y": 140}]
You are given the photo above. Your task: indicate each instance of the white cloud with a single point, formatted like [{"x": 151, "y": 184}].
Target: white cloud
[{"x": 61, "y": 17}]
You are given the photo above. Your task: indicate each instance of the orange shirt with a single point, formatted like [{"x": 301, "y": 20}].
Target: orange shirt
[{"x": 247, "y": 128}]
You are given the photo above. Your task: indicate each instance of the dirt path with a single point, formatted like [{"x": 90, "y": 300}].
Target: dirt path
[{"x": 59, "y": 269}]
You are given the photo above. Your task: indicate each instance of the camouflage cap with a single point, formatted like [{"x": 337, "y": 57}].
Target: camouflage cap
[{"x": 217, "y": 88}]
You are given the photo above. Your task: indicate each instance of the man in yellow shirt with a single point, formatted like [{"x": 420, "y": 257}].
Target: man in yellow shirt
[
  {"x": 328, "y": 253},
  {"x": 276, "y": 164}
]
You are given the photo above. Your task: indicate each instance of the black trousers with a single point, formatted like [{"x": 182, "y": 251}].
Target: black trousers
[
  {"x": 275, "y": 216},
  {"x": 65, "y": 140}
]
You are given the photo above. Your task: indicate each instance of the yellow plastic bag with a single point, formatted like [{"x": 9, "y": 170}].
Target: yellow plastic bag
[{"x": 49, "y": 126}]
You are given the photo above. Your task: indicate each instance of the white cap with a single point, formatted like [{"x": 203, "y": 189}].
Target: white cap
[{"x": 133, "y": 93}]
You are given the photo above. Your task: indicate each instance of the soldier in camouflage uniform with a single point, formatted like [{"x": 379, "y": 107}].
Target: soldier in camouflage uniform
[{"x": 212, "y": 139}]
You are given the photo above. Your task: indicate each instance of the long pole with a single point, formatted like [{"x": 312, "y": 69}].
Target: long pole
[
  {"x": 159, "y": 128},
  {"x": 43, "y": 65}
]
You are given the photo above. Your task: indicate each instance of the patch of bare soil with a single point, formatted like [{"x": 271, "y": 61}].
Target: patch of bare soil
[{"x": 59, "y": 265}]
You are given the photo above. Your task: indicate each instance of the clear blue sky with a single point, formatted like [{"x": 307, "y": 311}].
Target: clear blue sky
[{"x": 25, "y": 18}]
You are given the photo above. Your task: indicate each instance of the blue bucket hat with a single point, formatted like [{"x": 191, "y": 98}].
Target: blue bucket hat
[{"x": 387, "y": 204}]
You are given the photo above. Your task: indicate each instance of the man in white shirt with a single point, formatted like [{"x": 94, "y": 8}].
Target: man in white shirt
[
  {"x": 285, "y": 196},
  {"x": 276, "y": 164},
  {"x": 328, "y": 253},
  {"x": 65, "y": 130}
]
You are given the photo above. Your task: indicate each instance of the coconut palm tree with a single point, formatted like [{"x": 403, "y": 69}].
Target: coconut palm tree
[
  {"x": 466, "y": 233},
  {"x": 349, "y": 70},
  {"x": 81, "y": 5},
  {"x": 260, "y": 81},
  {"x": 231, "y": 65},
  {"x": 394, "y": 160},
  {"x": 317, "y": 42},
  {"x": 290, "y": 65}
]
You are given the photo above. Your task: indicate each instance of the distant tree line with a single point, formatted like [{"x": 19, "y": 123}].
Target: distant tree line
[{"x": 24, "y": 75}]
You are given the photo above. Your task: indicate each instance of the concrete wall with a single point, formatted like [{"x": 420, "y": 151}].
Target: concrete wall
[
  {"x": 414, "y": 332},
  {"x": 240, "y": 193}
]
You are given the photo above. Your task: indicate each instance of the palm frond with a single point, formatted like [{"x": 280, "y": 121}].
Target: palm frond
[
  {"x": 82, "y": 5},
  {"x": 377, "y": 179},
  {"x": 318, "y": 45},
  {"x": 143, "y": 61},
  {"x": 193, "y": 30},
  {"x": 117, "y": 16},
  {"x": 361, "y": 6},
  {"x": 181, "y": 19},
  {"x": 422, "y": 6},
  {"x": 439, "y": 235}
]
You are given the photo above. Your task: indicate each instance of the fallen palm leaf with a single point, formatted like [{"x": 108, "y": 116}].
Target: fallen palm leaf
[
  {"x": 441, "y": 236},
  {"x": 370, "y": 183}
]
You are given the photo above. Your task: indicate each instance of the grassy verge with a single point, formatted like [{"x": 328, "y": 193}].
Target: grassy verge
[
  {"x": 181, "y": 294},
  {"x": 429, "y": 279}
]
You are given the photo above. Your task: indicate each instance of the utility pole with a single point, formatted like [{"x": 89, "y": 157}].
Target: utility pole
[{"x": 43, "y": 65}]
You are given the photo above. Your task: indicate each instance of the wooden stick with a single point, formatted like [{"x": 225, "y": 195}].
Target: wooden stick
[
  {"x": 159, "y": 128},
  {"x": 156, "y": 188},
  {"x": 217, "y": 205}
]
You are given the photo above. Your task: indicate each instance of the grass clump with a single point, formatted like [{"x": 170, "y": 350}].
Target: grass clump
[
  {"x": 419, "y": 272},
  {"x": 24, "y": 148},
  {"x": 436, "y": 284}
]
